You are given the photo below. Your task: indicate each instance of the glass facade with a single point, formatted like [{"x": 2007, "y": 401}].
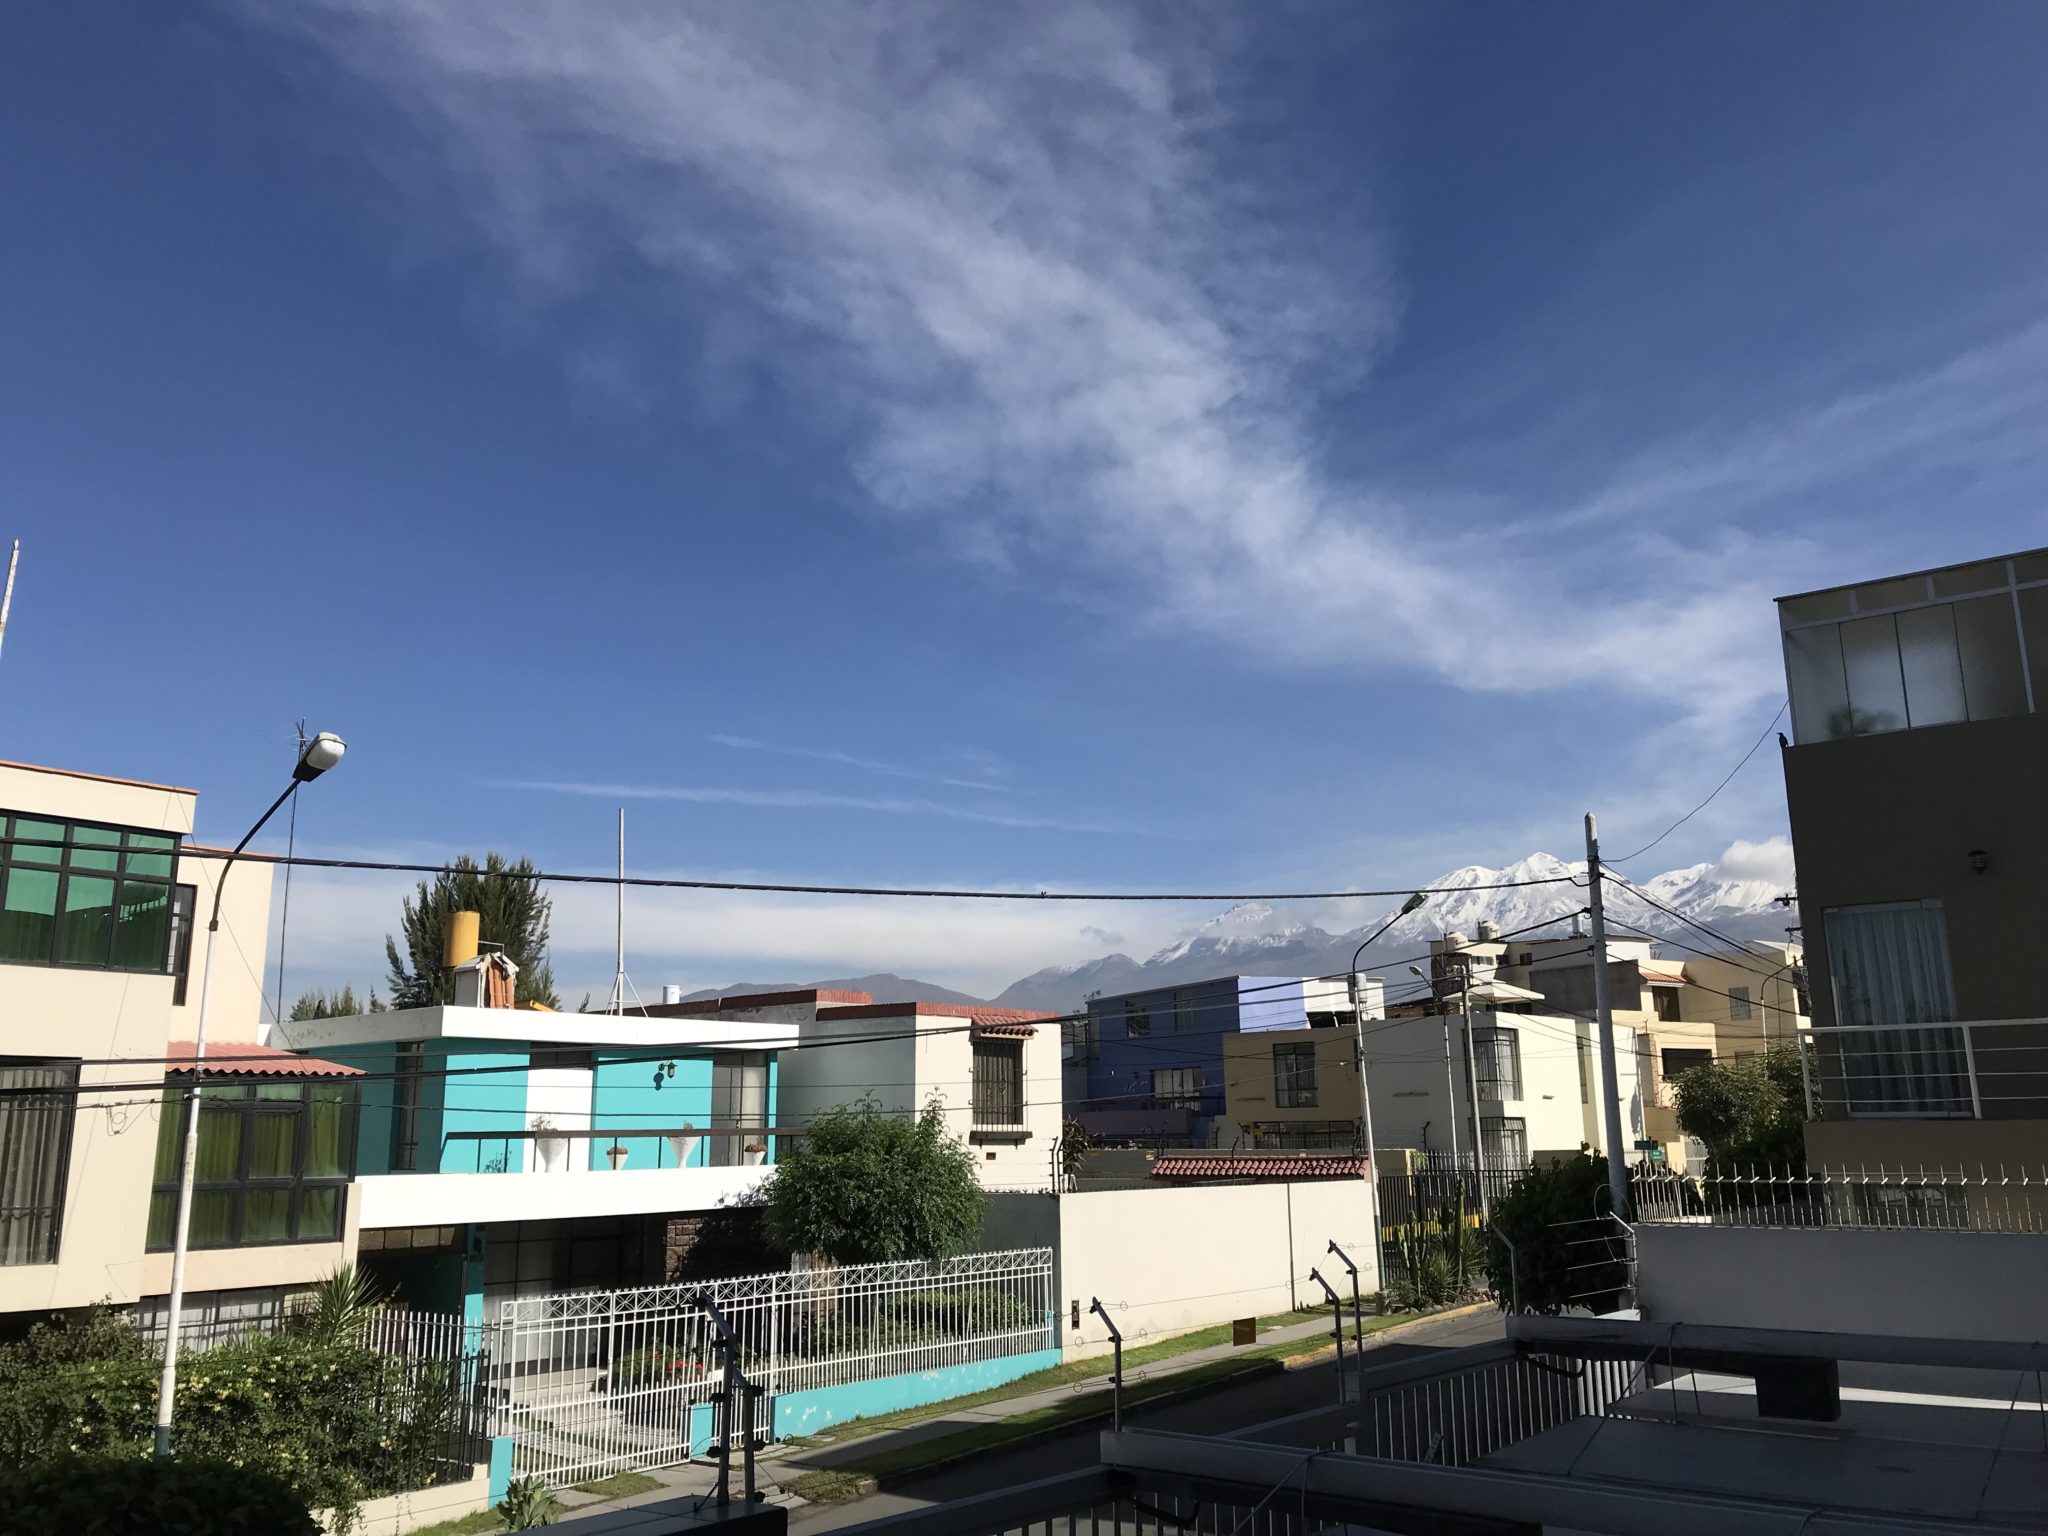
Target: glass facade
[
  {"x": 98, "y": 897},
  {"x": 1294, "y": 1077},
  {"x": 273, "y": 1166},
  {"x": 1933, "y": 649}
]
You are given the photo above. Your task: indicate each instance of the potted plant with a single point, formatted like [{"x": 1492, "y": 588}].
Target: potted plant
[
  {"x": 618, "y": 1155},
  {"x": 755, "y": 1153},
  {"x": 685, "y": 1145},
  {"x": 553, "y": 1151}
]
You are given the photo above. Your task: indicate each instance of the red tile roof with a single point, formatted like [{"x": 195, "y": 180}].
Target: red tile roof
[
  {"x": 234, "y": 1059},
  {"x": 1260, "y": 1165},
  {"x": 1002, "y": 1029},
  {"x": 980, "y": 1014}
]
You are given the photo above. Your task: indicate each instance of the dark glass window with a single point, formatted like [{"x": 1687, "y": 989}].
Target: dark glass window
[
  {"x": 178, "y": 959},
  {"x": 273, "y": 1164},
  {"x": 1137, "y": 1018},
  {"x": 998, "y": 1083},
  {"x": 1294, "y": 1077},
  {"x": 37, "y": 1106},
  {"x": 77, "y": 894},
  {"x": 405, "y": 1107},
  {"x": 739, "y": 1102}
]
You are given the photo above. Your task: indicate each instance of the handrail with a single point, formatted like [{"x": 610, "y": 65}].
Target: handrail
[{"x": 588, "y": 1134}]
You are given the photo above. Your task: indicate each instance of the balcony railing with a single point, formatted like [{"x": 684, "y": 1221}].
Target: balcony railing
[
  {"x": 567, "y": 1150},
  {"x": 1919, "y": 1199},
  {"x": 1995, "y": 1069}
]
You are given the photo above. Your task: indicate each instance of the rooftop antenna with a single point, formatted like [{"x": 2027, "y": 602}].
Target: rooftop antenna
[
  {"x": 619, "y": 976},
  {"x": 7, "y": 597}
]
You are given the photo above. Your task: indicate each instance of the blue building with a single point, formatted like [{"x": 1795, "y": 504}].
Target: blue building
[
  {"x": 1148, "y": 1066},
  {"x": 508, "y": 1151}
]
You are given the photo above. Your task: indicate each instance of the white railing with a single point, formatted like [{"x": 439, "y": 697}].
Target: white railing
[
  {"x": 2008, "y": 1200},
  {"x": 602, "y": 1381},
  {"x": 1946, "y": 1071}
]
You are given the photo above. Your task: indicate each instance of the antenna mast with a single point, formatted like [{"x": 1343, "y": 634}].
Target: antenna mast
[
  {"x": 619, "y": 976},
  {"x": 7, "y": 597}
]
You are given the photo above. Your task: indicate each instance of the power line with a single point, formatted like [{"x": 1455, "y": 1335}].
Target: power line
[
  {"x": 1688, "y": 816},
  {"x": 1717, "y": 937}
]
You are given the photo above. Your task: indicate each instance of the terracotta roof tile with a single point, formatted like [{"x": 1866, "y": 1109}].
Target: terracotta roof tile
[
  {"x": 234, "y": 1059},
  {"x": 1238, "y": 1165}
]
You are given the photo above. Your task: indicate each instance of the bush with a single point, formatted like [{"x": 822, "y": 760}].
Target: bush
[
  {"x": 865, "y": 1186},
  {"x": 1749, "y": 1113},
  {"x": 336, "y": 1423},
  {"x": 1438, "y": 1256},
  {"x": 132, "y": 1496},
  {"x": 1551, "y": 1267}
]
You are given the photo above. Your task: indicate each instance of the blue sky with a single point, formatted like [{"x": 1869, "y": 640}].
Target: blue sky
[{"x": 1068, "y": 446}]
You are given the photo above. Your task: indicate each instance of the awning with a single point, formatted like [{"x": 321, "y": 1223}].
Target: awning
[
  {"x": 1001, "y": 1030},
  {"x": 233, "y": 1059}
]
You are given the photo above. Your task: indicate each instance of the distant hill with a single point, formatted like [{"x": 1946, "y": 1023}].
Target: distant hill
[{"x": 886, "y": 986}]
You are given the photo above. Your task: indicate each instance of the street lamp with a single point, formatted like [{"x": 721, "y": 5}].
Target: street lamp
[
  {"x": 315, "y": 758},
  {"x": 1372, "y": 1164}
]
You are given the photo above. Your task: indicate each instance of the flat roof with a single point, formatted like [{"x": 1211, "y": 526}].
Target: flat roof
[
  {"x": 1928, "y": 570},
  {"x": 736, "y": 1001},
  {"x": 97, "y": 778}
]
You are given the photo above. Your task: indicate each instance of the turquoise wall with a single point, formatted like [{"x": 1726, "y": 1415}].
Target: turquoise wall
[
  {"x": 490, "y": 1101},
  {"x": 501, "y": 1467},
  {"x": 805, "y": 1413},
  {"x": 624, "y": 1097},
  {"x": 774, "y": 1094}
]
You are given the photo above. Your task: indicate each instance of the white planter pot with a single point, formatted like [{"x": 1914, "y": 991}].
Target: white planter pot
[
  {"x": 755, "y": 1156},
  {"x": 553, "y": 1152},
  {"x": 685, "y": 1148},
  {"x": 618, "y": 1156}
]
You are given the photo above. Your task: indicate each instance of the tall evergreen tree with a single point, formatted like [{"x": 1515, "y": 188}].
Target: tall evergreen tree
[
  {"x": 340, "y": 1004},
  {"x": 514, "y": 916}
]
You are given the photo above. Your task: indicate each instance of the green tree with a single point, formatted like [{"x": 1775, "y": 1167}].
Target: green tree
[
  {"x": 863, "y": 1186},
  {"x": 1750, "y": 1112},
  {"x": 1550, "y": 1248},
  {"x": 339, "y": 1004},
  {"x": 514, "y": 916}
]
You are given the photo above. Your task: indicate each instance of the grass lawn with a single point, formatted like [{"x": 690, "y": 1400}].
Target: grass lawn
[
  {"x": 466, "y": 1525},
  {"x": 855, "y": 1479},
  {"x": 1094, "y": 1368},
  {"x": 619, "y": 1484},
  {"x": 616, "y": 1486}
]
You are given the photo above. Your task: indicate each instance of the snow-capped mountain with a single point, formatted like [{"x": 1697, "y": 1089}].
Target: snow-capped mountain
[{"x": 1253, "y": 939}]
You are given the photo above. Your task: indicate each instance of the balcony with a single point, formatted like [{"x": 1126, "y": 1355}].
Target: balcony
[{"x": 536, "y": 1175}]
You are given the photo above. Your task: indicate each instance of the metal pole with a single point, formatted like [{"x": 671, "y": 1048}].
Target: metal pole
[
  {"x": 1116, "y": 1377},
  {"x": 1372, "y": 1157},
  {"x": 1357, "y": 1314},
  {"x": 1472, "y": 1090},
  {"x": 181, "y": 1242},
  {"x": 1603, "y": 1009},
  {"x": 619, "y": 974},
  {"x": 1337, "y": 1321}
]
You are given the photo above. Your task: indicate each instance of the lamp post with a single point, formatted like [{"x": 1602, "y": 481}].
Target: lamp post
[
  {"x": 1450, "y": 1083},
  {"x": 1372, "y": 1163},
  {"x": 315, "y": 758}
]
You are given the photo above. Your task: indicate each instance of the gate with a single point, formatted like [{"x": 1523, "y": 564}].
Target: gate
[{"x": 595, "y": 1382}]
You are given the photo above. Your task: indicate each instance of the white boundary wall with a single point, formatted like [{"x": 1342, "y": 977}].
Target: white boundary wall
[{"x": 1170, "y": 1259}]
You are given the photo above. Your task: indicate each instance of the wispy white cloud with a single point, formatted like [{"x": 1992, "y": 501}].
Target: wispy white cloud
[
  {"x": 848, "y": 760},
  {"x": 1002, "y": 251},
  {"x": 807, "y": 799}
]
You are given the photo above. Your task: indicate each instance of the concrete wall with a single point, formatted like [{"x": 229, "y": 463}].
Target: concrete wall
[
  {"x": 1120, "y": 1072},
  {"x": 626, "y": 1098},
  {"x": 1974, "y": 1147},
  {"x": 1944, "y": 1285},
  {"x": 805, "y": 1413},
  {"x": 1249, "y": 1096},
  {"x": 400, "y": 1513},
  {"x": 1168, "y": 1260}
]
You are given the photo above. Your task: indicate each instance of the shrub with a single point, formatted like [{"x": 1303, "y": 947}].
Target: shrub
[
  {"x": 1438, "y": 1256},
  {"x": 528, "y": 1502},
  {"x": 1537, "y": 1248},
  {"x": 135, "y": 1496}
]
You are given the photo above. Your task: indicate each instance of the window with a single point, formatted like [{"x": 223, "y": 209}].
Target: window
[
  {"x": 184, "y": 904},
  {"x": 1081, "y": 1038},
  {"x": 1676, "y": 1061},
  {"x": 405, "y": 1106},
  {"x": 1738, "y": 1002},
  {"x": 36, "y": 1111},
  {"x": 1664, "y": 1003},
  {"x": 1177, "y": 1087},
  {"x": 739, "y": 1102},
  {"x": 76, "y": 894},
  {"x": 1137, "y": 1018},
  {"x": 1294, "y": 1076},
  {"x": 1497, "y": 1056},
  {"x": 1890, "y": 967},
  {"x": 1505, "y": 1143},
  {"x": 1187, "y": 1011},
  {"x": 274, "y": 1163},
  {"x": 998, "y": 1084}
]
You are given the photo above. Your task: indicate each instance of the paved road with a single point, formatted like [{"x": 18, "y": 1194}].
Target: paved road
[{"x": 1252, "y": 1401}]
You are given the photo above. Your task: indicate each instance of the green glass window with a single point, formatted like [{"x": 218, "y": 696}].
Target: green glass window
[
  {"x": 273, "y": 1166},
  {"x": 28, "y": 914},
  {"x": 75, "y": 894}
]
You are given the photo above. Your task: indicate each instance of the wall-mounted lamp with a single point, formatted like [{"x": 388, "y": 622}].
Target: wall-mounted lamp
[{"x": 1979, "y": 860}]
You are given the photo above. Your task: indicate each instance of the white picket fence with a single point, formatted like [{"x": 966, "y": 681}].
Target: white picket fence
[{"x": 594, "y": 1382}]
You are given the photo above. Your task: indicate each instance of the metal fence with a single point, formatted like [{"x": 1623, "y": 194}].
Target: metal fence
[
  {"x": 2010, "y": 1200},
  {"x": 601, "y": 1381}
]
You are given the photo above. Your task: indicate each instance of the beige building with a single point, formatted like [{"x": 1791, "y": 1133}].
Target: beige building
[
  {"x": 103, "y": 902},
  {"x": 1913, "y": 781},
  {"x": 1681, "y": 1013}
]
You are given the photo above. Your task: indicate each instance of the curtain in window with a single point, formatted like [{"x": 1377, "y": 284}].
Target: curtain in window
[
  {"x": 35, "y": 1137},
  {"x": 1890, "y": 966},
  {"x": 327, "y": 1132}
]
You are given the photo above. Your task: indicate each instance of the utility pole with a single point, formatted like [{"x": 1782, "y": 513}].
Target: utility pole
[
  {"x": 1372, "y": 1156},
  {"x": 619, "y": 974},
  {"x": 1472, "y": 1091},
  {"x": 1603, "y": 1010}
]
